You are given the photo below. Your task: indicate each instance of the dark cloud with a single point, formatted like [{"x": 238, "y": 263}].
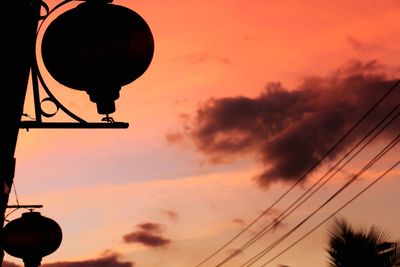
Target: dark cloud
[
  {"x": 150, "y": 227},
  {"x": 289, "y": 130},
  {"x": 173, "y": 215},
  {"x": 148, "y": 234},
  {"x": 109, "y": 259},
  {"x": 146, "y": 238}
]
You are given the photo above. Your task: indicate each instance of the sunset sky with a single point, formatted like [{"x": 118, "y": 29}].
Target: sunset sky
[{"x": 241, "y": 99}]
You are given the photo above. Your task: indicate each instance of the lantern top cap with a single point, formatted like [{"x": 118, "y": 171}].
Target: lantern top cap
[{"x": 31, "y": 213}]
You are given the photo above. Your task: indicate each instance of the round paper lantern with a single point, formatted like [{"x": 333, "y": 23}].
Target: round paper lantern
[
  {"x": 31, "y": 237},
  {"x": 98, "y": 47}
]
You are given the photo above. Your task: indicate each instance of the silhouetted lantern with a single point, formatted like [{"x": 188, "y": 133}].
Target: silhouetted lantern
[
  {"x": 98, "y": 47},
  {"x": 31, "y": 237}
]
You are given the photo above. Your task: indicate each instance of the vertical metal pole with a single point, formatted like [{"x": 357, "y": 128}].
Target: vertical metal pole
[
  {"x": 36, "y": 95},
  {"x": 18, "y": 25}
]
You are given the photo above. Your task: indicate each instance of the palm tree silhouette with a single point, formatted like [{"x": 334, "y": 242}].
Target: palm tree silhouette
[{"x": 361, "y": 248}]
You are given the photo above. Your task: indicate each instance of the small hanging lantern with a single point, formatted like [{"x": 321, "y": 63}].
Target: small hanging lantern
[
  {"x": 98, "y": 47},
  {"x": 31, "y": 237}
]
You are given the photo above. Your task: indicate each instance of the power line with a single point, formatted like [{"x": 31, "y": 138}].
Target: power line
[
  {"x": 365, "y": 168},
  {"x": 391, "y": 89},
  {"x": 333, "y": 214},
  {"x": 376, "y": 158},
  {"x": 283, "y": 215}
]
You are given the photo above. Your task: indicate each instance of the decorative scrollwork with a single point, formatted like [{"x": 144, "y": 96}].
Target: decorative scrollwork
[
  {"x": 36, "y": 72},
  {"x": 37, "y": 79},
  {"x": 47, "y": 114}
]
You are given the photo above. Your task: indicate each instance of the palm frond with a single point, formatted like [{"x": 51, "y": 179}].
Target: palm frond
[{"x": 348, "y": 247}]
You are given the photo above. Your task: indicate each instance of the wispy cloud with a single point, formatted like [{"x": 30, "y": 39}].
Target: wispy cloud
[
  {"x": 173, "y": 215},
  {"x": 201, "y": 57},
  {"x": 107, "y": 259},
  {"x": 239, "y": 221}
]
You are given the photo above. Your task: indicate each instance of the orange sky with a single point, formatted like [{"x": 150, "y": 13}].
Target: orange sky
[{"x": 101, "y": 185}]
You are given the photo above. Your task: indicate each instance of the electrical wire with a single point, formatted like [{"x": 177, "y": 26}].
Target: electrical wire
[
  {"x": 283, "y": 215},
  {"x": 365, "y": 168},
  {"x": 15, "y": 193},
  {"x": 389, "y": 91},
  {"x": 375, "y": 159},
  {"x": 334, "y": 214}
]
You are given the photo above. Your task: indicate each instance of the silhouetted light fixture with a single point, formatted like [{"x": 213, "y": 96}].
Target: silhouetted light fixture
[
  {"x": 31, "y": 237},
  {"x": 98, "y": 47}
]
